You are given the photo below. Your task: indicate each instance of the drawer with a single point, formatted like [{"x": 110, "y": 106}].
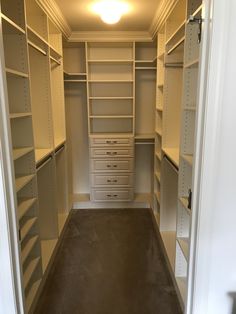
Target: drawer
[
  {"x": 106, "y": 142},
  {"x": 111, "y": 153},
  {"x": 112, "y": 195},
  {"x": 106, "y": 180},
  {"x": 99, "y": 165}
]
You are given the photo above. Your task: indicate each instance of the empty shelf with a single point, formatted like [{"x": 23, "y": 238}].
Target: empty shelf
[
  {"x": 31, "y": 295},
  {"x": 25, "y": 205},
  {"x": 24, "y": 231},
  {"x": 172, "y": 154},
  {"x": 158, "y": 197},
  {"x": 16, "y": 73},
  {"x": 42, "y": 153},
  {"x": 20, "y": 152},
  {"x": 28, "y": 248},
  {"x": 12, "y": 27},
  {"x": 20, "y": 115},
  {"x": 30, "y": 271},
  {"x": 22, "y": 181},
  {"x": 192, "y": 64}
]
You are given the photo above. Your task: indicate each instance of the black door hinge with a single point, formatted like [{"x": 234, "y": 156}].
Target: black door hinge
[{"x": 192, "y": 19}]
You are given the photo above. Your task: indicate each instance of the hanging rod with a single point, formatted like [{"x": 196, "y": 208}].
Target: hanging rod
[
  {"x": 44, "y": 163},
  {"x": 37, "y": 48}
]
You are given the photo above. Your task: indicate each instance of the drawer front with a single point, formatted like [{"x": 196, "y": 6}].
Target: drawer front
[
  {"x": 98, "y": 165},
  {"x": 106, "y": 142},
  {"x": 112, "y": 195},
  {"x": 106, "y": 180},
  {"x": 111, "y": 153}
]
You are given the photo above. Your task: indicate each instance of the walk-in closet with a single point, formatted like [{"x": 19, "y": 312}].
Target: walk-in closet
[{"x": 99, "y": 116}]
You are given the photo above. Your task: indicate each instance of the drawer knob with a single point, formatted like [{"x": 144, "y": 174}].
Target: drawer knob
[
  {"x": 108, "y": 181},
  {"x": 114, "y": 166},
  {"x": 114, "y": 181},
  {"x": 108, "y": 166}
]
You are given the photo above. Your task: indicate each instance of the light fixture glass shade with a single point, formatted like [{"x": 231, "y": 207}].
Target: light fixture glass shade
[{"x": 110, "y": 11}]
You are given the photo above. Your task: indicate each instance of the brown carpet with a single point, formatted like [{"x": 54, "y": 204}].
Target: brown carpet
[{"x": 109, "y": 262}]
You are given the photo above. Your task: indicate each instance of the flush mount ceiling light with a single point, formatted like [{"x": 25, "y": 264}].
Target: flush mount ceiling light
[{"x": 110, "y": 11}]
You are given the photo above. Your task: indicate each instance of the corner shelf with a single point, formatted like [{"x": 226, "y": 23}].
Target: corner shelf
[{"x": 172, "y": 154}]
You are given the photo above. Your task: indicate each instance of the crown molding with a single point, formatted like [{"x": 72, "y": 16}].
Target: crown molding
[
  {"x": 162, "y": 12},
  {"x": 55, "y": 14},
  {"x": 98, "y": 36}
]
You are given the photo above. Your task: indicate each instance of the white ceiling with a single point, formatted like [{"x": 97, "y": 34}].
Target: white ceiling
[{"x": 80, "y": 17}]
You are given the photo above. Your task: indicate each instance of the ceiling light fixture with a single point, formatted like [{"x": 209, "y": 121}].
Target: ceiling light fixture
[{"x": 110, "y": 11}]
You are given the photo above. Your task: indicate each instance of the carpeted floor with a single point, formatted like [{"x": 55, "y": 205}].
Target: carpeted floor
[{"x": 110, "y": 262}]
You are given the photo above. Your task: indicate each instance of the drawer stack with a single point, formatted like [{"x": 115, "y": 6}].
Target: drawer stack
[{"x": 111, "y": 169}]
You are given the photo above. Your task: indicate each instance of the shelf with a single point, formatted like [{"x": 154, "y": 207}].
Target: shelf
[
  {"x": 47, "y": 247},
  {"x": 111, "y": 117},
  {"x": 27, "y": 227},
  {"x": 181, "y": 27},
  {"x": 188, "y": 159},
  {"x": 149, "y": 136},
  {"x": 198, "y": 10},
  {"x": 16, "y": 73},
  {"x": 59, "y": 142},
  {"x": 75, "y": 81},
  {"x": 20, "y": 115},
  {"x": 22, "y": 181},
  {"x": 17, "y": 28},
  {"x": 31, "y": 295},
  {"x": 110, "y": 81},
  {"x": 42, "y": 153},
  {"x": 158, "y": 176},
  {"x": 184, "y": 202},
  {"x": 59, "y": 55},
  {"x": 30, "y": 271},
  {"x": 104, "y": 98},
  {"x": 145, "y": 61},
  {"x": 110, "y": 61},
  {"x": 37, "y": 34},
  {"x": 182, "y": 286},
  {"x": 169, "y": 241},
  {"x": 20, "y": 152},
  {"x": 28, "y": 248},
  {"x": 172, "y": 154},
  {"x": 145, "y": 68},
  {"x": 160, "y": 85},
  {"x": 25, "y": 204},
  {"x": 159, "y": 109},
  {"x": 192, "y": 64},
  {"x": 33, "y": 45},
  {"x": 184, "y": 245}
]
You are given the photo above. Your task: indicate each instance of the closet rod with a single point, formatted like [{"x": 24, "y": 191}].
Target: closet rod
[
  {"x": 37, "y": 48},
  {"x": 55, "y": 60},
  {"x": 44, "y": 163},
  {"x": 59, "y": 150},
  {"x": 176, "y": 169}
]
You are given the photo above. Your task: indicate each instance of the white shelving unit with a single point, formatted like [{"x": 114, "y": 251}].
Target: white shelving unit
[
  {"x": 177, "y": 83},
  {"x": 35, "y": 103}
]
